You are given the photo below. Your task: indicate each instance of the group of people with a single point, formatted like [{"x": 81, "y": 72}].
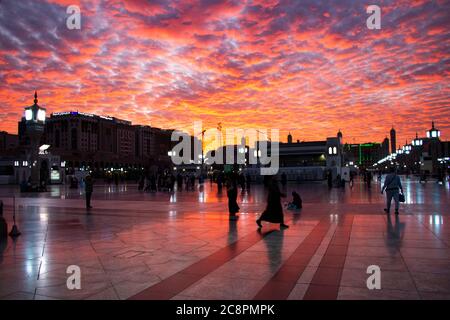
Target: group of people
[
  {"x": 166, "y": 182},
  {"x": 273, "y": 212},
  {"x": 274, "y": 209},
  {"x": 157, "y": 182},
  {"x": 340, "y": 181},
  {"x": 244, "y": 181}
]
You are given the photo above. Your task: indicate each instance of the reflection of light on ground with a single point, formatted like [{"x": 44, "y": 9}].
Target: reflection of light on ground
[
  {"x": 44, "y": 266},
  {"x": 29, "y": 267},
  {"x": 166, "y": 225},
  {"x": 334, "y": 217},
  {"x": 436, "y": 219},
  {"x": 172, "y": 213},
  {"x": 201, "y": 197},
  {"x": 43, "y": 214},
  {"x": 334, "y": 197},
  {"x": 55, "y": 192},
  {"x": 244, "y": 199}
]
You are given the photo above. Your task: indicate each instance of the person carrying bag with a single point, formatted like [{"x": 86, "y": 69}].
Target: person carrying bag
[{"x": 393, "y": 186}]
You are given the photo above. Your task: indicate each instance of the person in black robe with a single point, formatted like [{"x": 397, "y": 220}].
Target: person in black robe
[
  {"x": 141, "y": 183},
  {"x": 296, "y": 201},
  {"x": 179, "y": 182},
  {"x": 219, "y": 181},
  {"x": 369, "y": 179},
  {"x": 248, "y": 180},
  {"x": 153, "y": 187},
  {"x": 232, "y": 194},
  {"x": 89, "y": 187},
  {"x": 274, "y": 209}
]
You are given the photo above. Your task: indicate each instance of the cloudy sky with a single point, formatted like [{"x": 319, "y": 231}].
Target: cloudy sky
[{"x": 310, "y": 67}]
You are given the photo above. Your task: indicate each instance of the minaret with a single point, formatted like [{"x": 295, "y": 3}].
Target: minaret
[
  {"x": 385, "y": 145},
  {"x": 433, "y": 133},
  {"x": 289, "y": 138},
  {"x": 35, "y": 97},
  {"x": 393, "y": 140}
]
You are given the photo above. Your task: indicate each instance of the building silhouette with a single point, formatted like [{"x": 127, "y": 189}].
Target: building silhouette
[
  {"x": 385, "y": 147},
  {"x": 393, "y": 140},
  {"x": 88, "y": 140}
]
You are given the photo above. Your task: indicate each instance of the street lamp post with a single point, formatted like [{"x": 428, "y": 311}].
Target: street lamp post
[
  {"x": 203, "y": 156},
  {"x": 35, "y": 121}
]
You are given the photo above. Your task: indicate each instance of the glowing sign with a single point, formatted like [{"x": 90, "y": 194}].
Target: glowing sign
[
  {"x": 85, "y": 114},
  {"x": 57, "y": 114}
]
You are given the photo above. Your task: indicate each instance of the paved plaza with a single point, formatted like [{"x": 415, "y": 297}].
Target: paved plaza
[{"x": 181, "y": 245}]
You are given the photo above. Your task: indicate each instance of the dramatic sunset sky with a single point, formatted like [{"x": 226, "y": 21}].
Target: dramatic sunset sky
[{"x": 309, "y": 67}]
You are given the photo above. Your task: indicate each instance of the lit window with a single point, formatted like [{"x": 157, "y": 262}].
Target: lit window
[
  {"x": 330, "y": 150},
  {"x": 334, "y": 150},
  {"x": 16, "y": 163}
]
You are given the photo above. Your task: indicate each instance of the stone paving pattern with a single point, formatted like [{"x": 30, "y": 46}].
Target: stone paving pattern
[{"x": 135, "y": 245}]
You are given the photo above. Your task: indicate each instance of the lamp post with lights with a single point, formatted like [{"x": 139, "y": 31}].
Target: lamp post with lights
[
  {"x": 433, "y": 133},
  {"x": 35, "y": 121},
  {"x": 417, "y": 142}
]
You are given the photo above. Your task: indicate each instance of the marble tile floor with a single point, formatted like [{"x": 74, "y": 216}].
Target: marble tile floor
[{"x": 135, "y": 245}]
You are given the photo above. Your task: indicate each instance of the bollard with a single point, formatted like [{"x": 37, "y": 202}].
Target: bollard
[
  {"x": 3, "y": 224},
  {"x": 14, "y": 231}
]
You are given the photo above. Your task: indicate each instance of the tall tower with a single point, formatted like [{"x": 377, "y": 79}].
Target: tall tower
[
  {"x": 385, "y": 147},
  {"x": 393, "y": 140},
  {"x": 289, "y": 138}
]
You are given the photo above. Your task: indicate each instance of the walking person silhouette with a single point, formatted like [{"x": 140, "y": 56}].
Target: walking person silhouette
[
  {"x": 232, "y": 194},
  {"x": 274, "y": 209},
  {"x": 392, "y": 185}
]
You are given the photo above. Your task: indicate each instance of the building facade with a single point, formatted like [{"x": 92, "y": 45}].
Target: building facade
[
  {"x": 87, "y": 140},
  {"x": 8, "y": 141}
]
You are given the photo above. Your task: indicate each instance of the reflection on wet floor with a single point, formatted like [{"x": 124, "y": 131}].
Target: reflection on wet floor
[
  {"x": 136, "y": 245},
  {"x": 415, "y": 193}
]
